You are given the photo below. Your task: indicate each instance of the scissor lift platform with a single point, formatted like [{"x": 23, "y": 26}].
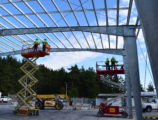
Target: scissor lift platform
[
  {"x": 31, "y": 53},
  {"x": 26, "y": 94}
]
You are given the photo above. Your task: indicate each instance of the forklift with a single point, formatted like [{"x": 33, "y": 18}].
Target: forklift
[{"x": 50, "y": 100}]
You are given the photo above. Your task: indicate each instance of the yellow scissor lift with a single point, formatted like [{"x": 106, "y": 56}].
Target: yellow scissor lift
[{"x": 25, "y": 105}]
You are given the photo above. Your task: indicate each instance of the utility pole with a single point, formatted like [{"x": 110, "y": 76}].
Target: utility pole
[{"x": 66, "y": 88}]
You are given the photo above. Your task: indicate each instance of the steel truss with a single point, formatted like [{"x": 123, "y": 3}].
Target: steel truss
[
  {"x": 111, "y": 30},
  {"x": 108, "y": 51},
  {"x": 72, "y": 8}
]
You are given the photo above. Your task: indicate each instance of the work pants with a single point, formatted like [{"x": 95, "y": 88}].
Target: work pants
[
  {"x": 44, "y": 47},
  {"x": 35, "y": 47}
]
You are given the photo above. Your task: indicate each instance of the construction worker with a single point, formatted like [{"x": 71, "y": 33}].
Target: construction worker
[
  {"x": 113, "y": 63},
  {"x": 36, "y": 43},
  {"x": 107, "y": 64},
  {"x": 44, "y": 42}
]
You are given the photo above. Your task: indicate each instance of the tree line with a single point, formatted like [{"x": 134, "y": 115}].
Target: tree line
[{"x": 80, "y": 82}]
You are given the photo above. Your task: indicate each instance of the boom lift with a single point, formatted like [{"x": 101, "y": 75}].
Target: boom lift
[
  {"x": 25, "y": 95},
  {"x": 104, "y": 74}
]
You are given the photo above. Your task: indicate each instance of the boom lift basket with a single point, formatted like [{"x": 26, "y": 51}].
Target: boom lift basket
[{"x": 101, "y": 69}]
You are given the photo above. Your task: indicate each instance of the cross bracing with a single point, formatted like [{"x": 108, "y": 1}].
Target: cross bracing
[{"x": 26, "y": 14}]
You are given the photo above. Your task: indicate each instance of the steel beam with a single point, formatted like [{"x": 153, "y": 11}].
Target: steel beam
[
  {"x": 66, "y": 22},
  {"x": 132, "y": 59},
  {"x": 84, "y": 13},
  {"x": 67, "y": 11},
  {"x": 107, "y": 22},
  {"x": 147, "y": 10},
  {"x": 97, "y": 21},
  {"x": 78, "y": 22},
  {"x": 108, "y": 51},
  {"x": 129, "y": 11},
  {"x": 112, "y": 30}
]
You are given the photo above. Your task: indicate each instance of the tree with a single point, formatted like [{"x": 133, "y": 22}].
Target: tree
[
  {"x": 150, "y": 88},
  {"x": 81, "y": 82},
  {"x": 74, "y": 92},
  {"x": 141, "y": 87}
]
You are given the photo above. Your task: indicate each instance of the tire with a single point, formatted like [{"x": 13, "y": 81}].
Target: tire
[
  {"x": 124, "y": 115},
  {"x": 39, "y": 105},
  {"x": 144, "y": 110},
  {"x": 100, "y": 113},
  {"x": 148, "y": 109},
  {"x": 37, "y": 113},
  {"x": 59, "y": 105}
]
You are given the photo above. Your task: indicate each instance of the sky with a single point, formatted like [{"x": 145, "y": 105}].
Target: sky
[{"x": 67, "y": 59}]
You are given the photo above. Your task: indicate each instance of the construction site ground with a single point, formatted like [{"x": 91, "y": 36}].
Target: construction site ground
[{"x": 6, "y": 113}]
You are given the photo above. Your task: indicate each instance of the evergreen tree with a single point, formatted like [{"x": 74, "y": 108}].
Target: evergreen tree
[
  {"x": 150, "y": 88},
  {"x": 81, "y": 82},
  {"x": 142, "y": 89}
]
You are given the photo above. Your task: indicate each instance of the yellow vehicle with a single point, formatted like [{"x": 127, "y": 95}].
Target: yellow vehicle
[{"x": 51, "y": 100}]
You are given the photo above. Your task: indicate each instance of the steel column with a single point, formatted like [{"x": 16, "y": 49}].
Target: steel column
[
  {"x": 147, "y": 10},
  {"x": 128, "y": 87},
  {"x": 132, "y": 58}
]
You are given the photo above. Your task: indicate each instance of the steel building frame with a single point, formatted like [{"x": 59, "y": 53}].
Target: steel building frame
[
  {"x": 59, "y": 35},
  {"x": 71, "y": 9}
]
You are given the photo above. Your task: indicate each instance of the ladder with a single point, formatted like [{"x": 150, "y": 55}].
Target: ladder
[{"x": 27, "y": 81}]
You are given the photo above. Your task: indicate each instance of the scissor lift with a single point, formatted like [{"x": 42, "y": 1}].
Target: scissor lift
[{"x": 25, "y": 105}]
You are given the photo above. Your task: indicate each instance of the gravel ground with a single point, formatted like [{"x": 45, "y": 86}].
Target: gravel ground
[{"x": 6, "y": 113}]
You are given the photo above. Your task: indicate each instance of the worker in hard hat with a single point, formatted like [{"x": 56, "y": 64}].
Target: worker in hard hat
[
  {"x": 113, "y": 63},
  {"x": 44, "y": 42},
  {"x": 107, "y": 64},
  {"x": 36, "y": 43}
]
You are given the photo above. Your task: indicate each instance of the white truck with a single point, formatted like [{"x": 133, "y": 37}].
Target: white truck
[
  {"x": 5, "y": 99},
  {"x": 151, "y": 104}
]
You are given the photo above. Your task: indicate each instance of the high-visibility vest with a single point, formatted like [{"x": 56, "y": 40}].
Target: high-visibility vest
[
  {"x": 36, "y": 42},
  {"x": 107, "y": 60},
  {"x": 113, "y": 59},
  {"x": 44, "y": 42}
]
